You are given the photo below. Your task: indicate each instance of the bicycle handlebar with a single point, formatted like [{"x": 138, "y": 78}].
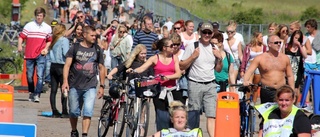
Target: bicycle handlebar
[{"x": 241, "y": 85}]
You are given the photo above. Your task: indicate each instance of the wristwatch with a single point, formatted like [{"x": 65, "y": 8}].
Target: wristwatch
[{"x": 102, "y": 86}]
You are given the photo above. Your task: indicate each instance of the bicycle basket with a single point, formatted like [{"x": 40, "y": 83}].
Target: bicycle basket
[{"x": 146, "y": 87}]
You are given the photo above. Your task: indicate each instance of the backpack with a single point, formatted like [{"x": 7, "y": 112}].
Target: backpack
[{"x": 76, "y": 48}]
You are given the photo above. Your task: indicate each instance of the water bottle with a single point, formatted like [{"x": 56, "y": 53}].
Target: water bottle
[{"x": 65, "y": 93}]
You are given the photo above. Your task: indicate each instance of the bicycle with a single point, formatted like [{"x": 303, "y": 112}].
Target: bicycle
[
  {"x": 7, "y": 66},
  {"x": 140, "y": 13},
  {"x": 138, "y": 113},
  {"x": 247, "y": 110},
  {"x": 113, "y": 110}
]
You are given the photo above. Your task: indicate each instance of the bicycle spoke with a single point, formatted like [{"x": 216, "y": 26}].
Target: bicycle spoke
[
  {"x": 144, "y": 119},
  {"x": 119, "y": 123},
  {"x": 104, "y": 120}
]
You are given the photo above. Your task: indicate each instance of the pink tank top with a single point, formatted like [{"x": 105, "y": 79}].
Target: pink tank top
[{"x": 165, "y": 70}]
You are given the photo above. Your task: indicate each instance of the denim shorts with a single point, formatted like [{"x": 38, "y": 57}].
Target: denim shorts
[{"x": 79, "y": 99}]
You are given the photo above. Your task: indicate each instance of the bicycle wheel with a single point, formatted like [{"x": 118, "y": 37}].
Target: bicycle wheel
[
  {"x": 143, "y": 119},
  {"x": 105, "y": 120},
  {"x": 252, "y": 122},
  {"x": 7, "y": 67},
  {"x": 130, "y": 118},
  {"x": 119, "y": 123}
]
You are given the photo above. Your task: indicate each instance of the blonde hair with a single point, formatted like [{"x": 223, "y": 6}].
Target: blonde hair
[
  {"x": 58, "y": 31},
  {"x": 136, "y": 51},
  {"x": 116, "y": 37},
  {"x": 177, "y": 105},
  {"x": 175, "y": 37},
  {"x": 296, "y": 24}
]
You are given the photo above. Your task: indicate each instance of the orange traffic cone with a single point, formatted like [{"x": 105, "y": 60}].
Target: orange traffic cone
[{"x": 6, "y": 105}]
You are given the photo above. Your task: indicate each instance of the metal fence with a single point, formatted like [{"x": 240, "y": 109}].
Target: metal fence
[{"x": 167, "y": 9}]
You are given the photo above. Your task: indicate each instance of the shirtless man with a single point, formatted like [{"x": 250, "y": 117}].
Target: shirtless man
[{"x": 274, "y": 67}]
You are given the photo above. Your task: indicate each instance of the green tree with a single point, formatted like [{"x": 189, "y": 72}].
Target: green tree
[
  {"x": 252, "y": 16},
  {"x": 311, "y": 12}
]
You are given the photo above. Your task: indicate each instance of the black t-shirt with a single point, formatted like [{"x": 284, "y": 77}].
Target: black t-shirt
[
  {"x": 301, "y": 123},
  {"x": 87, "y": 4},
  {"x": 104, "y": 5},
  {"x": 84, "y": 67}
]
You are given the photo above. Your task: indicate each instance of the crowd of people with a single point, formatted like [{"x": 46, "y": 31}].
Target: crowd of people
[{"x": 196, "y": 65}]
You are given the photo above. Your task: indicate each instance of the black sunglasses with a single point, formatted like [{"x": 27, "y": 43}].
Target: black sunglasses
[
  {"x": 176, "y": 28},
  {"x": 176, "y": 44},
  {"x": 230, "y": 32},
  {"x": 207, "y": 32},
  {"x": 276, "y": 42}
]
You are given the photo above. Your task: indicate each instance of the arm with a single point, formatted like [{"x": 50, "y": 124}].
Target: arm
[
  {"x": 289, "y": 73},
  {"x": 66, "y": 69},
  {"x": 177, "y": 73},
  {"x": 218, "y": 61},
  {"x": 184, "y": 64},
  {"x": 244, "y": 61},
  {"x": 112, "y": 72},
  {"x": 308, "y": 47},
  {"x": 102, "y": 78},
  {"x": 146, "y": 65},
  {"x": 69, "y": 31},
  {"x": 65, "y": 47},
  {"x": 20, "y": 41},
  {"x": 231, "y": 79},
  {"x": 254, "y": 64}
]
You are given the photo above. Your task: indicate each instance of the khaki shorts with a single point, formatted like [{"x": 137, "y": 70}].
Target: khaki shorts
[{"x": 203, "y": 95}]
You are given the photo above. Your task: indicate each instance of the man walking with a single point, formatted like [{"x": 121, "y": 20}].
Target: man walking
[
  {"x": 274, "y": 68},
  {"x": 203, "y": 61},
  {"x": 84, "y": 61},
  {"x": 37, "y": 36}
]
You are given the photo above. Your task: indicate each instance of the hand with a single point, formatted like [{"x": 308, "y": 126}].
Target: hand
[
  {"x": 65, "y": 86},
  {"x": 44, "y": 51},
  {"x": 110, "y": 77},
  {"x": 20, "y": 48},
  {"x": 241, "y": 74},
  {"x": 195, "y": 53},
  {"x": 216, "y": 53},
  {"x": 129, "y": 70},
  {"x": 297, "y": 43},
  {"x": 246, "y": 83},
  {"x": 100, "y": 93}
]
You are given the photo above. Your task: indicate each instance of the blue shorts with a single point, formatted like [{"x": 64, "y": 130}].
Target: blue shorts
[
  {"x": 310, "y": 66},
  {"x": 81, "y": 99}
]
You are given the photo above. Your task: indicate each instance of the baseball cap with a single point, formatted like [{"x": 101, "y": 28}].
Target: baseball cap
[
  {"x": 54, "y": 23},
  {"x": 215, "y": 25},
  {"x": 207, "y": 26}
]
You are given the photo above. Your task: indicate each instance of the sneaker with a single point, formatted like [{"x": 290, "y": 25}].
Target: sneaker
[
  {"x": 36, "y": 99},
  {"x": 74, "y": 133},
  {"x": 56, "y": 114},
  {"x": 31, "y": 97},
  {"x": 64, "y": 115},
  {"x": 308, "y": 108}
]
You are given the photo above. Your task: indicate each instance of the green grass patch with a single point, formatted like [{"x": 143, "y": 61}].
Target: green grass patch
[{"x": 280, "y": 11}]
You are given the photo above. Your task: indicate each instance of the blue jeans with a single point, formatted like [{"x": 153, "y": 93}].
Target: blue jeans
[
  {"x": 94, "y": 13},
  {"x": 104, "y": 16},
  {"x": 40, "y": 62},
  {"x": 79, "y": 99},
  {"x": 115, "y": 61},
  {"x": 55, "y": 13}
]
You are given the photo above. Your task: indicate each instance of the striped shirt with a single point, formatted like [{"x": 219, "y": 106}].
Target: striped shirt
[
  {"x": 36, "y": 36},
  {"x": 146, "y": 39}
]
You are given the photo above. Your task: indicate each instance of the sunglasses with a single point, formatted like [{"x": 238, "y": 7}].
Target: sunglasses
[
  {"x": 230, "y": 32},
  {"x": 176, "y": 44},
  {"x": 284, "y": 31},
  {"x": 276, "y": 42},
  {"x": 122, "y": 32},
  {"x": 207, "y": 32},
  {"x": 79, "y": 17},
  {"x": 171, "y": 46},
  {"x": 176, "y": 28}
]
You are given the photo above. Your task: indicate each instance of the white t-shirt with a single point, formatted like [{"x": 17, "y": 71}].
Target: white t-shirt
[
  {"x": 237, "y": 36},
  {"x": 95, "y": 4},
  {"x": 234, "y": 48},
  {"x": 313, "y": 57},
  {"x": 188, "y": 42},
  {"x": 202, "y": 69}
]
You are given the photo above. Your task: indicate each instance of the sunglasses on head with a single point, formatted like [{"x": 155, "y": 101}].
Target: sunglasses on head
[
  {"x": 229, "y": 31},
  {"x": 276, "y": 42},
  {"x": 206, "y": 32},
  {"x": 176, "y": 28}
]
